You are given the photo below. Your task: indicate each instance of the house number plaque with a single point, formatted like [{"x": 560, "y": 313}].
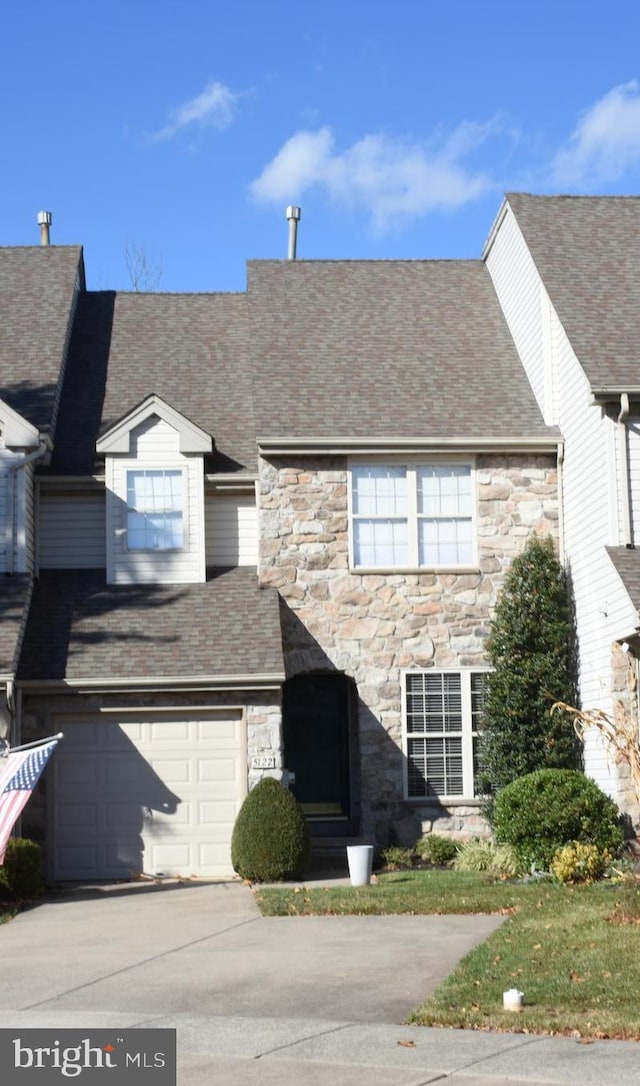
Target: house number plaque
[{"x": 264, "y": 761}]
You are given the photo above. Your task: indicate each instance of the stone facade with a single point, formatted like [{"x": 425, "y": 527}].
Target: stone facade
[
  {"x": 372, "y": 626},
  {"x": 624, "y": 688}
]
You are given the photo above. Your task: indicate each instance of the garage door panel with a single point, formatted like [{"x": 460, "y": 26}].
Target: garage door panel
[{"x": 147, "y": 796}]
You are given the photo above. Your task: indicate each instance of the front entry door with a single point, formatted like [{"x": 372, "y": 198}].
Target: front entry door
[{"x": 316, "y": 747}]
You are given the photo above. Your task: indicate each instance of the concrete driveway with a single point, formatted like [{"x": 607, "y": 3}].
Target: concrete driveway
[
  {"x": 262, "y": 1000},
  {"x": 206, "y": 949}
]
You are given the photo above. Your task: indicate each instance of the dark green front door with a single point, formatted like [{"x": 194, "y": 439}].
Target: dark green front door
[{"x": 316, "y": 745}]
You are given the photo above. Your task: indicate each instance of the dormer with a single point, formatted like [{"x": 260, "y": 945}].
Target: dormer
[{"x": 154, "y": 478}]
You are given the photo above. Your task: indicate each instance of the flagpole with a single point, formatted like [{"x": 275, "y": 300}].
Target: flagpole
[{"x": 36, "y": 743}]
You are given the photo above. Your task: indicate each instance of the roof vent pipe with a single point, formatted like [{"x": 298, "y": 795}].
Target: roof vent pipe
[
  {"x": 45, "y": 218},
  {"x": 44, "y": 222},
  {"x": 293, "y": 215}
]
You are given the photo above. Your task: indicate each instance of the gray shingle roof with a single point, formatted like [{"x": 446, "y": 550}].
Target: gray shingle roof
[
  {"x": 36, "y": 305},
  {"x": 627, "y": 563},
  {"x": 15, "y": 593},
  {"x": 384, "y": 348},
  {"x": 587, "y": 251},
  {"x": 81, "y": 628},
  {"x": 189, "y": 349}
]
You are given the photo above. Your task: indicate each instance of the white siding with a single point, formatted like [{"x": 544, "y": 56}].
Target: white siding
[
  {"x": 155, "y": 444},
  {"x": 633, "y": 438},
  {"x": 71, "y": 531},
  {"x": 5, "y": 532},
  {"x": 603, "y": 609},
  {"x": 526, "y": 307},
  {"x": 28, "y": 550},
  {"x": 231, "y": 525}
]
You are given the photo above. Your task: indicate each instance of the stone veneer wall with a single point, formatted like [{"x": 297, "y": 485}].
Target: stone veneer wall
[
  {"x": 262, "y": 711},
  {"x": 371, "y": 626},
  {"x": 624, "y": 687}
]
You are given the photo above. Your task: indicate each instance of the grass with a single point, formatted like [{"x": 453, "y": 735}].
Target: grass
[{"x": 560, "y": 945}]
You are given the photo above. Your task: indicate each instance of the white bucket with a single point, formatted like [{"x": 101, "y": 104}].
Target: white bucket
[
  {"x": 513, "y": 1000},
  {"x": 360, "y": 860}
]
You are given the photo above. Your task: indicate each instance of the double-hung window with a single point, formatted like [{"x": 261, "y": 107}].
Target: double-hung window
[
  {"x": 441, "y": 716},
  {"x": 155, "y": 510},
  {"x": 412, "y": 515}
]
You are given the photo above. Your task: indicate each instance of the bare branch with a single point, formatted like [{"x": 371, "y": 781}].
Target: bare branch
[{"x": 145, "y": 271}]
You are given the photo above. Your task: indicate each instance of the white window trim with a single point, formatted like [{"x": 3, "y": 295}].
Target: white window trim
[
  {"x": 412, "y": 464},
  {"x": 137, "y": 465},
  {"x": 468, "y": 795}
]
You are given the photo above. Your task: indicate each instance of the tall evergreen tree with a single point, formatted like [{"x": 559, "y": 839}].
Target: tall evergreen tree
[{"x": 531, "y": 650}]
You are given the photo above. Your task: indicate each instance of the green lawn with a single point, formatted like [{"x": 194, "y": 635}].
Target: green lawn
[{"x": 579, "y": 970}]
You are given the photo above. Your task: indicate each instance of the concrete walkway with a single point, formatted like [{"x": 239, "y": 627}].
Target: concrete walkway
[{"x": 257, "y": 999}]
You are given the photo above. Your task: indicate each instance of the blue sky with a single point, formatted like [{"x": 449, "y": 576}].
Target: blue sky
[{"x": 182, "y": 131}]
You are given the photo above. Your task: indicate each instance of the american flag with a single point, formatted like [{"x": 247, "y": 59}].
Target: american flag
[{"x": 19, "y": 774}]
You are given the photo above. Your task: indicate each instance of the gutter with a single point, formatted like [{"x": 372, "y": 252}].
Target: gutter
[
  {"x": 133, "y": 684},
  {"x": 344, "y": 445},
  {"x": 13, "y": 467}
]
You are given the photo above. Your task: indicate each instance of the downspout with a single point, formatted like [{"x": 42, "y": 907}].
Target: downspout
[
  {"x": 13, "y": 467},
  {"x": 561, "y": 501},
  {"x": 627, "y": 540}
]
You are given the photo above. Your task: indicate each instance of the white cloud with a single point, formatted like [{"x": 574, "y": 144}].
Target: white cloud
[
  {"x": 213, "y": 108},
  {"x": 605, "y": 143},
  {"x": 389, "y": 178}
]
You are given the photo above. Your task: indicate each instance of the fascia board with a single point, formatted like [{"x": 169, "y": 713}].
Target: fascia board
[
  {"x": 18, "y": 432},
  {"x": 269, "y": 681},
  {"x": 117, "y": 440},
  {"x": 349, "y": 445}
]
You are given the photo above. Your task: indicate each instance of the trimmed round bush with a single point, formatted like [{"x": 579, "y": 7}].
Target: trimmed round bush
[
  {"x": 21, "y": 873},
  {"x": 270, "y": 841},
  {"x": 543, "y": 811}
]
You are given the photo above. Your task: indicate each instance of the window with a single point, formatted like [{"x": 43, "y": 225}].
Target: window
[
  {"x": 412, "y": 515},
  {"x": 442, "y": 712},
  {"x": 155, "y": 510}
]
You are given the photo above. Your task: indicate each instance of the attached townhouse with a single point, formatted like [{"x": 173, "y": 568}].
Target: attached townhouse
[
  {"x": 263, "y": 533},
  {"x": 565, "y": 270}
]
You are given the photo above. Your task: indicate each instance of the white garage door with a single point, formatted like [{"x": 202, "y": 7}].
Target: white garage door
[{"x": 140, "y": 793}]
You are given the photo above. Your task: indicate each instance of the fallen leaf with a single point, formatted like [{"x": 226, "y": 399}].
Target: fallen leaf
[
  {"x": 576, "y": 978},
  {"x": 407, "y": 1044},
  {"x": 537, "y": 946}
]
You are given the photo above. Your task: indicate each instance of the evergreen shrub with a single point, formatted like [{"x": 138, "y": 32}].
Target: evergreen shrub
[
  {"x": 531, "y": 649},
  {"x": 270, "y": 840},
  {"x": 435, "y": 849},
  {"x": 21, "y": 873},
  {"x": 577, "y": 862},
  {"x": 543, "y": 811}
]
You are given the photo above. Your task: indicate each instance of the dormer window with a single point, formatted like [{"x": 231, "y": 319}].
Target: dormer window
[{"x": 155, "y": 510}]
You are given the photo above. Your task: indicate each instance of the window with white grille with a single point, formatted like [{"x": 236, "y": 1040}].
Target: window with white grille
[
  {"x": 412, "y": 515},
  {"x": 155, "y": 510},
  {"x": 442, "y": 712}
]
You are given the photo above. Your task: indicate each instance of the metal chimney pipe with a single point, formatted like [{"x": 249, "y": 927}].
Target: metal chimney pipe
[
  {"x": 293, "y": 215},
  {"x": 44, "y": 222}
]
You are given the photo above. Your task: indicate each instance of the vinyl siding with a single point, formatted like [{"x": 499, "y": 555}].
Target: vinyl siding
[
  {"x": 633, "y": 439},
  {"x": 71, "y": 531},
  {"x": 5, "y": 533},
  {"x": 155, "y": 445},
  {"x": 28, "y": 555},
  {"x": 231, "y": 527},
  {"x": 603, "y": 609},
  {"x": 527, "y": 310}
]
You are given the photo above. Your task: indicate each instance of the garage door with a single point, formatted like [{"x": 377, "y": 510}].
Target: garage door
[{"x": 147, "y": 794}]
